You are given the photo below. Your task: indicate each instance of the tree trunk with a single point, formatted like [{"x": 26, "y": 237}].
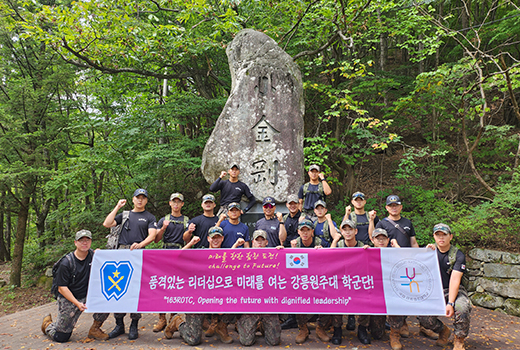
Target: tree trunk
[
  {"x": 3, "y": 251},
  {"x": 8, "y": 227},
  {"x": 383, "y": 45},
  {"x": 41, "y": 216},
  {"x": 15, "y": 278}
]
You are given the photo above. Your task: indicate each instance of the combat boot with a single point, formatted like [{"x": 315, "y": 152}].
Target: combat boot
[
  {"x": 118, "y": 329},
  {"x": 351, "y": 323},
  {"x": 173, "y": 326},
  {"x": 95, "y": 331},
  {"x": 336, "y": 338},
  {"x": 161, "y": 324},
  {"x": 428, "y": 333},
  {"x": 444, "y": 335},
  {"x": 458, "y": 343},
  {"x": 395, "y": 342},
  {"x": 205, "y": 323},
  {"x": 303, "y": 334},
  {"x": 322, "y": 334},
  {"x": 404, "y": 331},
  {"x": 222, "y": 332},
  {"x": 290, "y": 322},
  {"x": 211, "y": 328},
  {"x": 362, "y": 334},
  {"x": 47, "y": 320},
  {"x": 133, "y": 332}
]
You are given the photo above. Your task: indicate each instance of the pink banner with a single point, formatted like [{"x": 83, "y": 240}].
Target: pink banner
[{"x": 334, "y": 281}]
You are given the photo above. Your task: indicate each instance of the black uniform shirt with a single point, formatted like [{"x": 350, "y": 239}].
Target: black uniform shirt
[
  {"x": 203, "y": 224},
  {"x": 65, "y": 271},
  {"x": 175, "y": 229},
  {"x": 232, "y": 192},
  {"x": 444, "y": 264},
  {"x": 135, "y": 229},
  {"x": 393, "y": 232}
]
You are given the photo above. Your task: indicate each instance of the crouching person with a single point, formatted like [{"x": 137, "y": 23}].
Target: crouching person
[
  {"x": 267, "y": 324},
  {"x": 72, "y": 279},
  {"x": 452, "y": 263}
]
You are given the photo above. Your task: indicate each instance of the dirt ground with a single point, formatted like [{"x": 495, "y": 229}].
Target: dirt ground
[{"x": 18, "y": 299}]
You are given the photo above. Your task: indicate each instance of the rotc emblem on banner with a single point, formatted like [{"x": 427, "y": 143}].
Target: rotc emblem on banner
[
  {"x": 296, "y": 261},
  {"x": 115, "y": 278},
  {"x": 412, "y": 280}
]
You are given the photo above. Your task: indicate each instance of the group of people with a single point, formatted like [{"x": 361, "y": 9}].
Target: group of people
[{"x": 307, "y": 225}]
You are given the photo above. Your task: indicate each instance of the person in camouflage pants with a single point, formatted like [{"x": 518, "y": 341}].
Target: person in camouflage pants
[
  {"x": 247, "y": 326},
  {"x": 452, "y": 265},
  {"x": 71, "y": 279}
]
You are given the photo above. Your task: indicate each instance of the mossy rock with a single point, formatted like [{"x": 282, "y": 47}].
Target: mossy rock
[
  {"x": 487, "y": 301},
  {"x": 512, "y": 307},
  {"x": 45, "y": 282}
]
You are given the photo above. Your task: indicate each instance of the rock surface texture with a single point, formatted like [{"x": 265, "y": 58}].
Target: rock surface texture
[
  {"x": 494, "y": 279},
  {"x": 261, "y": 125}
]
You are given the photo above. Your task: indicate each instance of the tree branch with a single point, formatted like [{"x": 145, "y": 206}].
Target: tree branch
[
  {"x": 313, "y": 52},
  {"x": 91, "y": 64}
]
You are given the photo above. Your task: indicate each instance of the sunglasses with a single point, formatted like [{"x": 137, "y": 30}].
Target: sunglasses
[{"x": 269, "y": 206}]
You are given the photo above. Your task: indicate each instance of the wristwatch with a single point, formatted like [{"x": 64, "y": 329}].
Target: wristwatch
[
  {"x": 322, "y": 179},
  {"x": 450, "y": 303}
]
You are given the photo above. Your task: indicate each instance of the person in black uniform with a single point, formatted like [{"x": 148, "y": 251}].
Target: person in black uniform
[
  {"x": 72, "y": 279},
  {"x": 365, "y": 222},
  {"x": 232, "y": 190},
  {"x": 171, "y": 229},
  {"x": 137, "y": 232},
  {"x": 452, "y": 264}
]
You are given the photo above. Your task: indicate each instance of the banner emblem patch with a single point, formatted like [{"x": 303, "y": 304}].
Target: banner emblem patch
[{"x": 115, "y": 278}]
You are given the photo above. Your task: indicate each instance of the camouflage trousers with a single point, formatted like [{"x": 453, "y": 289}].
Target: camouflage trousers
[
  {"x": 68, "y": 315},
  {"x": 191, "y": 329},
  {"x": 247, "y": 326},
  {"x": 102, "y": 316},
  {"x": 375, "y": 323},
  {"x": 462, "y": 315},
  {"x": 323, "y": 320},
  {"x": 396, "y": 322}
]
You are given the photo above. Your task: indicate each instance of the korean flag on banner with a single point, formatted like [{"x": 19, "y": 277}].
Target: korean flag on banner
[{"x": 296, "y": 261}]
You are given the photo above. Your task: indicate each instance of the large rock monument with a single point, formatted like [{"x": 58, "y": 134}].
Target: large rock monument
[{"x": 261, "y": 125}]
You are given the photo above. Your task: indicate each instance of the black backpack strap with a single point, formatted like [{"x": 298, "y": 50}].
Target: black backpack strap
[{"x": 396, "y": 225}]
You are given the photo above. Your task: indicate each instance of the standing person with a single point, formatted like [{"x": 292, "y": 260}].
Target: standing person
[
  {"x": 233, "y": 228},
  {"x": 269, "y": 324},
  {"x": 307, "y": 239},
  {"x": 291, "y": 221},
  {"x": 137, "y": 232},
  {"x": 231, "y": 190},
  {"x": 401, "y": 230},
  {"x": 271, "y": 223},
  {"x": 376, "y": 323},
  {"x": 314, "y": 190},
  {"x": 324, "y": 227},
  {"x": 190, "y": 325},
  {"x": 72, "y": 279},
  {"x": 200, "y": 225},
  {"x": 365, "y": 222},
  {"x": 171, "y": 230},
  {"x": 452, "y": 264},
  {"x": 347, "y": 239},
  {"x": 398, "y": 228}
]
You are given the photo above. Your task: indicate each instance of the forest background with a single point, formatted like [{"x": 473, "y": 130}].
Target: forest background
[{"x": 98, "y": 98}]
